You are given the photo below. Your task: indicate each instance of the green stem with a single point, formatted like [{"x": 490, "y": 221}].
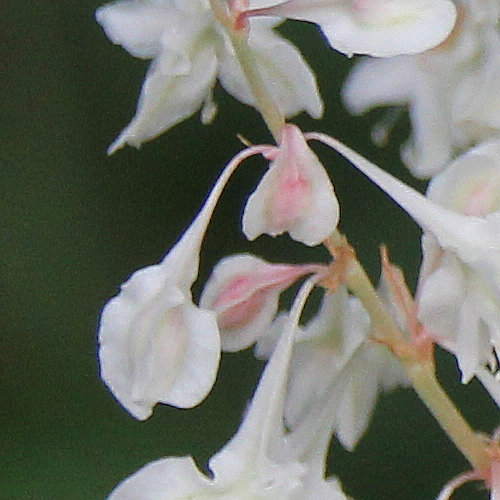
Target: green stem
[
  {"x": 420, "y": 368},
  {"x": 263, "y": 101},
  {"x": 425, "y": 383}
]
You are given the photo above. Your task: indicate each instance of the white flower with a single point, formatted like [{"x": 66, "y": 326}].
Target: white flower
[
  {"x": 336, "y": 369},
  {"x": 452, "y": 92},
  {"x": 295, "y": 195},
  {"x": 255, "y": 463},
  {"x": 458, "y": 301},
  {"x": 459, "y": 289},
  {"x": 155, "y": 344},
  {"x": 189, "y": 51},
  {"x": 380, "y": 28},
  {"x": 244, "y": 291}
]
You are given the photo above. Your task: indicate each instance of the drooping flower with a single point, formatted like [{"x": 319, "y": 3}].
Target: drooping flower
[
  {"x": 381, "y": 28},
  {"x": 244, "y": 291},
  {"x": 190, "y": 50},
  {"x": 295, "y": 195},
  {"x": 256, "y": 462},
  {"x": 452, "y": 92},
  {"x": 156, "y": 345},
  {"x": 459, "y": 289}
]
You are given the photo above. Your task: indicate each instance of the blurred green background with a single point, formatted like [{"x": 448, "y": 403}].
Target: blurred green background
[{"x": 76, "y": 223}]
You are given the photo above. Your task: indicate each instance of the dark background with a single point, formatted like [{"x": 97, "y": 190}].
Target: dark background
[{"x": 75, "y": 223}]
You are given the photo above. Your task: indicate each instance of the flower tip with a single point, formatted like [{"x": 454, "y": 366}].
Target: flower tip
[
  {"x": 101, "y": 14},
  {"x": 122, "y": 140},
  {"x": 114, "y": 147},
  {"x": 119, "y": 143}
]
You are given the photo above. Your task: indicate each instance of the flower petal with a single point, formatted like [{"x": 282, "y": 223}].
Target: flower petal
[
  {"x": 326, "y": 344},
  {"x": 464, "y": 235},
  {"x": 431, "y": 145},
  {"x": 171, "y": 92},
  {"x": 400, "y": 81},
  {"x": 287, "y": 77},
  {"x": 137, "y": 25},
  {"x": 166, "y": 479},
  {"x": 263, "y": 422},
  {"x": 152, "y": 343},
  {"x": 295, "y": 195},
  {"x": 244, "y": 291},
  {"x": 155, "y": 344},
  {"x": 367, "y": 85},
  {"x": 381, "y": 28}
]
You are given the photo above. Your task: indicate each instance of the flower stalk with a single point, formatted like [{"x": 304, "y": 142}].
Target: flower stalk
[
  {"x": 418, "y": 362},
  {"x": 238, "y": 35}
]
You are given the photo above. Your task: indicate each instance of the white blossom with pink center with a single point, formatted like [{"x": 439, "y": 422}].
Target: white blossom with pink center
[{"x": 295, "y": 195}]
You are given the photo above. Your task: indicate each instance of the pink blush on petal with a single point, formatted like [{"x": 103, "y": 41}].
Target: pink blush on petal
[
  {"x": 480, "y": 202},
  {"x": 291, "y": 199},
  {"x": 243, "y": 313},
  {"x": 234, "y": 289}
]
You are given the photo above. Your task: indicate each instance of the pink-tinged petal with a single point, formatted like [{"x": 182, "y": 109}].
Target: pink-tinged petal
[
  {"x": 166, "y": 479},
  {"x": 381, "y": 28},
  {"x": 244, "y": 292},
  {"x": 295, "y": 195},
  {"x": 471, "y": 184}
]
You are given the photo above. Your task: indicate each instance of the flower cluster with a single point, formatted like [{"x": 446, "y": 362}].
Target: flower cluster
[
  {"x": 322, "y": 378},
  {"x": 452, "y": 91}
]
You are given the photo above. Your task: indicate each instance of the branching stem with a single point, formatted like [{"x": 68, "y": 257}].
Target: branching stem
[{"x": 419, "y": 363}]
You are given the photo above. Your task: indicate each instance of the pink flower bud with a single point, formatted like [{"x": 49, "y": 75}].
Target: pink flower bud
[{"x": 244, "y": 292}]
